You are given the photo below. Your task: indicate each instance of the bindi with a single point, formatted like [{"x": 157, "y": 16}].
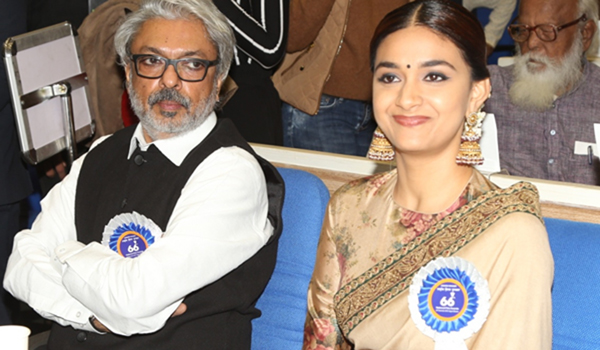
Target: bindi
[{"x": 408, "y": 66}]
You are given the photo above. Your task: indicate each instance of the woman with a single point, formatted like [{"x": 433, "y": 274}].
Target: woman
[{"x": 431, "y": 254}]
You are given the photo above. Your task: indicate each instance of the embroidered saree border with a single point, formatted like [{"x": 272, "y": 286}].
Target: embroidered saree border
[{"x": 359, "y": 298}]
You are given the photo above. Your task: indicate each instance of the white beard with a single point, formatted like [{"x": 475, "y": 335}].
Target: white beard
[{"x": 536, "y": 90}]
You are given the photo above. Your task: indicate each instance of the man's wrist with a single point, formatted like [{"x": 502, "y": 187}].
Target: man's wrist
[{"x": 96, "y": 324}]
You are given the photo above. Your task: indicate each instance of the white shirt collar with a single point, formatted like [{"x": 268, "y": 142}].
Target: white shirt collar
[{"x": 175, "y": 148}]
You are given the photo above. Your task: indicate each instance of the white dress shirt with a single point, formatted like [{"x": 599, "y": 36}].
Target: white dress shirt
[
  {"x": 502, "y": 11},
  {"x": 219, "y": 222}
]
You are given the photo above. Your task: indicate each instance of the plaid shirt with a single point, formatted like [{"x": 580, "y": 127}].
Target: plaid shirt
[{"x": 541, "y": 144}]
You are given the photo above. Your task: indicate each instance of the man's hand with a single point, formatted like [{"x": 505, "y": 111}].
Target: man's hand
[
  {"x": 54, "y": 166},
  {"x": 59, "y": 169},
  {"x": 99, "y": 326},
  {"x": 181, "y": 309}
]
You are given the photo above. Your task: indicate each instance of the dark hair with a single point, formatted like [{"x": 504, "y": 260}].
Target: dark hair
[{"x": 447, "y": 19}]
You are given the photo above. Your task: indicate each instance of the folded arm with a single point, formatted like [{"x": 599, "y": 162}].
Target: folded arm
[
  {"x": 33, "y": 274},
  {"x": 217, "y": 224}
]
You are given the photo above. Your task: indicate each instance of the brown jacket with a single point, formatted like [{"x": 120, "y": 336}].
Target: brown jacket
[
  {"x": 105, "y": 76},
  {"x": 302, "y": 75},
  {"x": 328, "y": 50}
]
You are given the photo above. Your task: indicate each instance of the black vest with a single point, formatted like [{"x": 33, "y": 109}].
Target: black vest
[{"x": 219, "y": 315}]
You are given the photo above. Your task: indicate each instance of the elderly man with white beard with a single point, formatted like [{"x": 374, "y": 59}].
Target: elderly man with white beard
[{"x": 548, "y": 100}]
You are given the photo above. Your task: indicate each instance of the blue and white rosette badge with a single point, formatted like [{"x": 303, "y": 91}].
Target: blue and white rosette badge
[
  {"x": 449, "y": 301},
  {"x": 130, "y": 234}
]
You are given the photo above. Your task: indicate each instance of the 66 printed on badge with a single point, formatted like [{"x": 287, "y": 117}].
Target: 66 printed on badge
[
  {"x": 449, "y": 301},
  {"x": 130, "y": 234}
]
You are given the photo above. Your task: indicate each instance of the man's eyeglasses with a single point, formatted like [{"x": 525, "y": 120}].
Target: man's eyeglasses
[
  {"x": 546, "y": 32},
  {"x": 187, "y": 69}
]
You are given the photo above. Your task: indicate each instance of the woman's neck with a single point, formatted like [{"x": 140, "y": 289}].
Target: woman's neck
[{"x": 429, "y": 184}]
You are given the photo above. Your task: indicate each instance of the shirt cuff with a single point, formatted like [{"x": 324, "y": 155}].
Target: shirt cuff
[
  {"x": 67, "y": 250},
  {"x": 89, "y": 328}
]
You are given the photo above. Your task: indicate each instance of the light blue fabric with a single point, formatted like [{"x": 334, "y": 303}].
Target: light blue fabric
[
  {"x": 283, "y": 304},
  {"x": 576, "y": 291}
]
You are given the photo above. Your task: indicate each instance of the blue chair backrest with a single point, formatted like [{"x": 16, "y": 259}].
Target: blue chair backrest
[
  {"x": 575, "y": 300},
  {"x": 283, "y": 304}
]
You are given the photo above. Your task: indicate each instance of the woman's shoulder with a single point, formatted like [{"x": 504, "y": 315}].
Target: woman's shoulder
[
  {"x": 369, "y": 185},
  {"x": 520, "y": 224},
  {"x": 513, "y": 212},
  {"x": 360, "y": 194},
  {"x": 487, "y": 196}
]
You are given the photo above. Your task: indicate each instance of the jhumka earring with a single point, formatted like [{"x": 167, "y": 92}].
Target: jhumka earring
[
  {"x": 469, "y": 152},
  {"x": 381, "y": 148}
]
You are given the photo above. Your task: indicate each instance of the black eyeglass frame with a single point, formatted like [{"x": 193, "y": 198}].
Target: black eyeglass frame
[
  {"x": 555, "y": 29},
  {"x": 173, "y": 62}
]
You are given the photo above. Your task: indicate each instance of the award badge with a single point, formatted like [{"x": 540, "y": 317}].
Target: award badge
[
  {"x": 130, "y": 234},
  {"x": 449, "y": 301}
]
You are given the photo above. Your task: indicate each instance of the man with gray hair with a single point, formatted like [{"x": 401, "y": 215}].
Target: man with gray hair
[
  {"x": 545, "y": 104},
  {"x": 164, "y": 235}
]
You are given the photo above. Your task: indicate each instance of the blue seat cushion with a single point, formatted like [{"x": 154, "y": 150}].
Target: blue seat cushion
[
  {"x": 575, "y": 300},
  {"x": 283, "y": 304}
]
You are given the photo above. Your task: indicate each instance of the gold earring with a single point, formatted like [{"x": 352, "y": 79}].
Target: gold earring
[
  {"x": 381, "y": 148},
  {"x": 469, "y": 152}
]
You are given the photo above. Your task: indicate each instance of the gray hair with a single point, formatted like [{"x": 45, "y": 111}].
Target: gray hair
[
  {"x": 219, "y": 31},
  {"x": 590, "y": 8}
]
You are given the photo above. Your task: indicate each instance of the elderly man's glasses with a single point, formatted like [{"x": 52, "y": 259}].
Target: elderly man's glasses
[
  {"x": 546, "y": 32},
  {"x": 187, "y": 69}
]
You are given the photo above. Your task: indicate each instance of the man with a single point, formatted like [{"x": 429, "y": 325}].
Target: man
[
  {"x": 325, "y": 79},
  {"x": 545, "y": 103},
  {"x": 164, "y": 235}
]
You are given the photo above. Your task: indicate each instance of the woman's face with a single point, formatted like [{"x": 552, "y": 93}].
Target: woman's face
[{"x": 422, "y": 91}]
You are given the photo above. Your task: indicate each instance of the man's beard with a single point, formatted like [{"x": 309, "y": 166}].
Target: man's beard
[
  {"x": 536, "y": 91},
  {"x": 156, "y": 125}
]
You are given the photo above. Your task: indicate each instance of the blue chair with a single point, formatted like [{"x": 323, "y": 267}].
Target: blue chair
[
  {"x": 575, "y": 298},
  {"x": 283, "y": 304}
]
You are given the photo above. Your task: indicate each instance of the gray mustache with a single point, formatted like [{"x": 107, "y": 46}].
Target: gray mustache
[{"x": 168, "y": 95}]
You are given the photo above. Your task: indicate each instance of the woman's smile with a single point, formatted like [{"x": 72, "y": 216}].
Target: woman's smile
[{"x": 411, "y": 121}]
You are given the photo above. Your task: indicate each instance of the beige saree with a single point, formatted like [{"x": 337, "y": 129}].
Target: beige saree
[{"x": 370, "y": 248}]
